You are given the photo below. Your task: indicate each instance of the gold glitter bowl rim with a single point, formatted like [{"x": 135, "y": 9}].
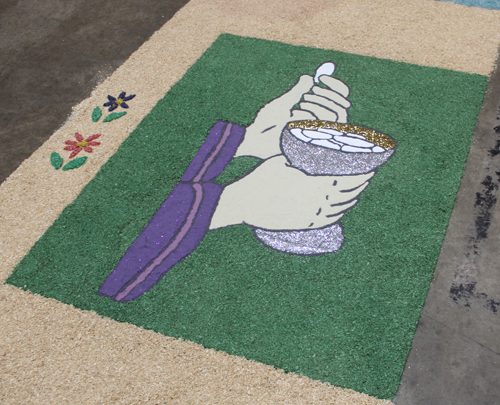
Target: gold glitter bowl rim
[{"x": 371, "y": 135}]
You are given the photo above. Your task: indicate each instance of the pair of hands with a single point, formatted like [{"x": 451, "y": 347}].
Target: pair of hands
[
  {"x": 262, "y": 138},
  {"x": 276, "y": 196}
]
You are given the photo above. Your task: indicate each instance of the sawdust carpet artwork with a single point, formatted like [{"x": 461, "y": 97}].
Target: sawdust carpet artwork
[
  {"x": 312, "y": 265},
  {"x": 254, "y": 197}
]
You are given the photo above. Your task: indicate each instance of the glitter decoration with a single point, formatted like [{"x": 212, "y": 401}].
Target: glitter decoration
[
  {"x": 315, "y": 155},
  {"x": 371, "y": 135},
  {"x": 306, "y": 242},
  {"x": 318, "y": 160}
]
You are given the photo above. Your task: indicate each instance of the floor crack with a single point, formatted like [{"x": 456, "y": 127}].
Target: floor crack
[{"x": 460, "y": 333}]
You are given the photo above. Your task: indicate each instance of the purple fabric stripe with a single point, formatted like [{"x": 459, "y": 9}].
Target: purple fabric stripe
[
  {"x": 211, "y": 194},
  {"x": 150, "y": 256},
  {"x": 205, "y": 150},
  {"x": 172, "y": 246},
  {"x": 154, "y": 238},
  {"x": 226, "y": 154},
  {"x": 215, "y": 152}
]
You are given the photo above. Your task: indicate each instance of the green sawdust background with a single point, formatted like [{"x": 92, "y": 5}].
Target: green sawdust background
[{"x": 346, "y": 318}]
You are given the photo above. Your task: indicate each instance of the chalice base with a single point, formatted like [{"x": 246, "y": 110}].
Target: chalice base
[{"x": 328, "y": 239}]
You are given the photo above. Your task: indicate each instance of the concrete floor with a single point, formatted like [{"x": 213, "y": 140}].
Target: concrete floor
[
  {"x": 455, "y": 357},
  {"x": 54, "y": 52}
]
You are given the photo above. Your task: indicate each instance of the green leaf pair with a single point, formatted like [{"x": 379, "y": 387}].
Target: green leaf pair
[
  {"x": 57, "y": 161},
  {"x": 97, "y": 113}
]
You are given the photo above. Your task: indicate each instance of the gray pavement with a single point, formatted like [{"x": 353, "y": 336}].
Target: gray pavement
[
  {"x": 455, "y": 357},
  {"x": 54, "y": 52}
]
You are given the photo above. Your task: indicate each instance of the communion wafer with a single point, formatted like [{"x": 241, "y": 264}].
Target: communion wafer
[
  {"x": 325, "y": 143},
  {"x": 354, "y": 135},
  {"x": 331, "y": 148},
  {"x": 331, "y": 131},
  {"x": 348, "y": 140},
  {"x": 334, "y": 139},
  {"x": 297, "y": 132},
  {"x": 326, "y": 69},
  {"x": 316, "y": 134},
  {"x": 351, "y": 149}
]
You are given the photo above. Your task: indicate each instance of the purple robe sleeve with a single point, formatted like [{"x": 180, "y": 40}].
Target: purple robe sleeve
[{"x": 181, "y": 222}]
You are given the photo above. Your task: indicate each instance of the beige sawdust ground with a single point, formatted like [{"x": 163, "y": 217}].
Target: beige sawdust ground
[
  {"x": 77, "y": 357},
  {"x": 53, "y": 353}
]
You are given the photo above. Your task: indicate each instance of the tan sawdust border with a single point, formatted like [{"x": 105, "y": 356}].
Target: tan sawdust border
[{"x": 75, "y": 356}]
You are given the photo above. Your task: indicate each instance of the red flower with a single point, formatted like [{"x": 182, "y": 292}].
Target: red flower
[{"x": 84, "y": 144}]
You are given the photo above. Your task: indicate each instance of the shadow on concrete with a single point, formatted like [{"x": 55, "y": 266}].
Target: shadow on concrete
[{"x": 54, "y": 53}]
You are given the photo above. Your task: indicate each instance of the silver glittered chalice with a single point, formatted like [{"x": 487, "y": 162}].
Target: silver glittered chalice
[{"x": 323, "y": 148}]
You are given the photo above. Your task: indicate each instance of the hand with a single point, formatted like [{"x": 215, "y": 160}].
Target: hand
[
  {"x": 328, "y": 104},
  {"x": 276, "y": 196},
  {"x": 262, "y": 138}
]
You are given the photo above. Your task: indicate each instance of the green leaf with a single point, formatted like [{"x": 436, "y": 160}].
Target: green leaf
[
  {"x": 114, "y": 116},
  {"x": 56, "y": 160},
  {"x": 96, "y": 114},
  {"x": 75, "y": 163}
]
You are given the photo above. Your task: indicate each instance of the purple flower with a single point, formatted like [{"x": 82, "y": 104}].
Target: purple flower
[{"x": 113, "y": 103}]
